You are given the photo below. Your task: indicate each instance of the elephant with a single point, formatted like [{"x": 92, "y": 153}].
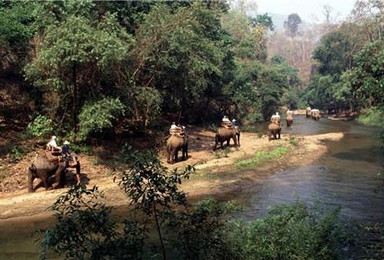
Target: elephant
[
  {"x": 175, "y": 143},
  {"x": 44, "y": 167},
  {"x": 274, "y": 131},
  {"x": 289, "y": 120},
  {"x": 315, "y": 114},
  {"x": 308, "y": 112},
  {"x": 226, "y": 134}
]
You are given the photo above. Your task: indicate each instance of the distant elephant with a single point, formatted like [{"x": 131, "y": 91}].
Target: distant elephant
[
  {"x": 44, "y": 168},
  {"x": 315, "y": 114},
  {"x": 308, "y": 112},
  {"x": 289, "y": 120},
  {"x": 175, "y": 143},
  {"x": 274, "y": 131},
  {"x": 225, "y": 134}
]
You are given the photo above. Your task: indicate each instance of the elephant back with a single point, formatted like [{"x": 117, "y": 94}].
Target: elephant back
[
  {"x": 42, "y": 161},
  {"x": 274, "y": 126},
  {"x": 226, "y": 131}
]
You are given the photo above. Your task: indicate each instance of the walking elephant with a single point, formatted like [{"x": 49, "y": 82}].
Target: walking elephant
[
  {"x": 225, "y": 134},
  {"x": 44, "y": 168},
  {"x": 175, "y": 143},
  {"x": 315, "y": 114},
  {"x": 274, "y": 131},
  {"x": 308, "y": 112},
  {"x": 289, "y": 120}
]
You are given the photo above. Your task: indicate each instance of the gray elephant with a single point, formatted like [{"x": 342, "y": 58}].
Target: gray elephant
[
  {"x": 175, "y": 143},
  {"x": 44, "y": 168},
  {"x": 315, "y": 114},
  {"x": 274, "y": 131},
  {"x": 289, "y": 120},
  {"x": 308, "y": 112},
  {"x": 225, "y": 134}
]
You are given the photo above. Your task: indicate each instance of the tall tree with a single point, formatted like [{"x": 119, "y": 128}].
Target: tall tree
[{"x": 292, "y": 24}]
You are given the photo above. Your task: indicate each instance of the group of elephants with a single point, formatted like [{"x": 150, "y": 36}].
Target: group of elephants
[{"x": 52, "y": 172}]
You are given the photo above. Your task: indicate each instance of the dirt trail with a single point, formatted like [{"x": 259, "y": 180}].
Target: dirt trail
[{"x": 19, "y": 203}]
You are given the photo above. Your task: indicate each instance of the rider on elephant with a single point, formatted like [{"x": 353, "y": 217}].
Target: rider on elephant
[
  {"x": 275, "y": 118},
  {"x": 66, "y": 153},
  {"x": 225, "y": 122}
]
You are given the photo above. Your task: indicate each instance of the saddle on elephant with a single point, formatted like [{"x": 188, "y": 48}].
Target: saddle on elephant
[
  {"x": 56, "y": 157},
  {"x": 226, "y": 124},
  {"x": 178, "y": 131}
]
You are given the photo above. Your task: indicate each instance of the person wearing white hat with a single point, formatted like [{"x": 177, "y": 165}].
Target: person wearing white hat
[
  {"x": 65, "y": 150},
  {"x": 52, "y": 145}
]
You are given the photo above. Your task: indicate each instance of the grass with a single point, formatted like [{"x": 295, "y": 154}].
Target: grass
[
  {"x": 263, "y": 156},
  {"x": 371, "y": 117}
]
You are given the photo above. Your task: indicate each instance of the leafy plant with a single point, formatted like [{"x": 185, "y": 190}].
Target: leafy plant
[
  {"x": 40, "y": 127},
  {"x": 100, "y": 115},
  {"x": 293, "y": 232},
  {"x": 152, "y": 189},
  {"x": 85, "y": 229}
]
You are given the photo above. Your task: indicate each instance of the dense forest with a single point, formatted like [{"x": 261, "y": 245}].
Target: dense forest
[{"x": 96, "y": 70}]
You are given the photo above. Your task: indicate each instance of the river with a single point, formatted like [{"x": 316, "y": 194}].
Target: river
[{"x": 345, "y": 176}]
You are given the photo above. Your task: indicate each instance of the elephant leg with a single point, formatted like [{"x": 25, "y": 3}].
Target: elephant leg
[
  {"x": 46, "y": 182},
  {"x": 59, "y": 177},
  {"x": 78, "y": 174},
  {"x": 31, "y": 178}
]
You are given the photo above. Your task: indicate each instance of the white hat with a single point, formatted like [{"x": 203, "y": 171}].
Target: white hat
[
  {"x": 233, "y": 120},
  {"x": 66, "y": 142},
  {"x": 53, "y": 137}
]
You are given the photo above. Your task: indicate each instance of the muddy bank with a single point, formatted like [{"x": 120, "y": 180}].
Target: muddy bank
[{"x": 215, "y": 174}]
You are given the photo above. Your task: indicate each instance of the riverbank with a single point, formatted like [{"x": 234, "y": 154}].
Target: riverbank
[{"x": 216, "y": 172}]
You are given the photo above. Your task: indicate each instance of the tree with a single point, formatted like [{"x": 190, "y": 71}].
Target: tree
[
  {"x": 292, "y": 24},
  {"x": 73, "y": 57}
]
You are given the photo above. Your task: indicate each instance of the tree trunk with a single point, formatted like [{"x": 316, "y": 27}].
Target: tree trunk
[
  {"x": 159, "y": 232},
  {"x": 74, "y": 98}
]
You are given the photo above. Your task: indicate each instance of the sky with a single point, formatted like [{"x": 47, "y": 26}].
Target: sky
[{"x": 306, "y": 9}]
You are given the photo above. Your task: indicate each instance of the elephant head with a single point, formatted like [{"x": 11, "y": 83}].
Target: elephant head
[
  {"x": 175, "y": 143},
  {"x": 225, "y": 134}
]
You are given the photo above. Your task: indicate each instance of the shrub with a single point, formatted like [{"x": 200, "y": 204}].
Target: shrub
[
  {"x": 99, "y": 116},
  {"x": 85, "y": 229},
  {"x": 293, "y": 232},
  {"x": 40, "y": 127}
]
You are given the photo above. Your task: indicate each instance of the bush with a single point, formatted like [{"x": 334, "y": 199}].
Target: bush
[
  {"x": 40, "y": 127},
  {"x": 99, "y": 116},
  {"x": 371, "y": 117},
  {"x": 293, "y": 232}
]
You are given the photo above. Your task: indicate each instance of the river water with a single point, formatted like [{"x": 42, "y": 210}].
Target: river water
[{"x": 346, "y": 175}]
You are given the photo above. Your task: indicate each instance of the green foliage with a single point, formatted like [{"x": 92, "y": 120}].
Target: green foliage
[
  {"x": 202, "y": 232},
  {"x": 100, "y": 115},
  {"x": 372, "y": 117},
  {"x": 85, "y": 229},
  {"x": 40, "y": 127},
  {"x": 263, "y": 156},
  {"x": 293, "y": 232},
  {"x": 152, "y": 189}
]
